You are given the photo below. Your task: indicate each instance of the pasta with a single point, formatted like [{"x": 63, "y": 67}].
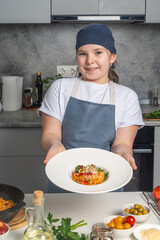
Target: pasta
[
  {"x": 150, "y": 234},
  {"x": 89, "y": 175},
  {"x": 5, "y": 204}
]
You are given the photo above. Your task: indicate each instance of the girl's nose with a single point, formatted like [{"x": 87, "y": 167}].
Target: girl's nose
[{"x": 90, "y": 59}]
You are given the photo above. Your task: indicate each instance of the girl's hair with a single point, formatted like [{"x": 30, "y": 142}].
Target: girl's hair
[{"x": 113, "y": 75}]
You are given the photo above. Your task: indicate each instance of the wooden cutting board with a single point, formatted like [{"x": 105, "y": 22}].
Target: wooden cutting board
[{"x": 18, "y": 221}]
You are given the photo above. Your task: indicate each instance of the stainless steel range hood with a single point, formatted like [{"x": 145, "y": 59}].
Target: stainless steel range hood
[
  {"x": 98, "y": 11},
  {"x": 83, "y": 19}
]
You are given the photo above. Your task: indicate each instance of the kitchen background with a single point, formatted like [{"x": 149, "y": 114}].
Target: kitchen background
[{"x": 28, "y": 48}]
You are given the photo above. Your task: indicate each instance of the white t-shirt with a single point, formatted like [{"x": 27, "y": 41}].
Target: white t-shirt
[{"x": 127, "y": 108}]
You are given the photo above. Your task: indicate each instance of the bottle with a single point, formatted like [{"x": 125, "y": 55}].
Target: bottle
[
  {"x": 155, "y": 97},
  {"x": 38, "y": 90},
  {"x": 37, "y": 229},
  {"x": 101, "y": 231}
]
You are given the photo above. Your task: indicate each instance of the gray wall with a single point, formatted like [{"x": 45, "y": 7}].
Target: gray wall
[{"x": 26, "y": 49}]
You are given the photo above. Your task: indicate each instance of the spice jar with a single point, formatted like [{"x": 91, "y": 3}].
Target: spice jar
[
  {"x": 155, "y": 97},
  {"x": 100, "y": 231},
  {"x": 27, "y": 97}
]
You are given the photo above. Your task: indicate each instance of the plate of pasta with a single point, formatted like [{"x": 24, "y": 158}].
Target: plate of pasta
[
  {"x": 147, "y": 232},
  {"x": 88, "y": 170}
]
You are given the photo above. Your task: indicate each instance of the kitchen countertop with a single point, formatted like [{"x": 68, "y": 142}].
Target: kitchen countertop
[
  {"x": 26, "y": 118},
  {"x": 91, "y": 208}
]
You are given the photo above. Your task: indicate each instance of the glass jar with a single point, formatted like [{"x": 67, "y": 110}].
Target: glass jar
[{"x": 100, "y": 231}]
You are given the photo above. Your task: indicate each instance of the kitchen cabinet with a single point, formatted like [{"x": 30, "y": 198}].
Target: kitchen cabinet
[
  {"x": 121, "y": 7},
  {"x": 21, "y": 159},
  {"x": 152, "y": 11},
  {"x": 74, "y": 7},
  {"x": 22, "y": 11}
]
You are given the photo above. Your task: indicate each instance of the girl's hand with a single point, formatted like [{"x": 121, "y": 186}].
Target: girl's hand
[
  {"x": 129, "y": 158},
  {"x": 53, "y": 150}
]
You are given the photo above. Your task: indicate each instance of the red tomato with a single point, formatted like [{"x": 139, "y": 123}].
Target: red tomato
[
  {"x": 3, "y": 227},
  {"x": 156, "y": 192},
  {"x": 130, "y": 220},
  {"x": 2, "y": 224},
  {"x": 159, "y": 203},
  {"x": 3, "y": 230}
]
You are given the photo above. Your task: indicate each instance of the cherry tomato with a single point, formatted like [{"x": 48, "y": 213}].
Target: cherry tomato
[
  {"x": 127, "y": 226},
  {"x": 3, "y": 227},
  {"x": 2, "y": 224},
  {"x": 119, "y": 219},
  {"x": 130, "y": 220},
  {"x": 112, "y": 224},
  {"x": 119, "y": 226}
]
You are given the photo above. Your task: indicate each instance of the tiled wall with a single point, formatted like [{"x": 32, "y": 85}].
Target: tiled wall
[{"x": 26, "y": 49}]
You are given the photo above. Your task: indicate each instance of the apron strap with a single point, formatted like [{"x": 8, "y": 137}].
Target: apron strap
[
  {"x": 112, "y": 90},
  {"x": 75, "y": 87},
  {"x": 112, "y": 93}
]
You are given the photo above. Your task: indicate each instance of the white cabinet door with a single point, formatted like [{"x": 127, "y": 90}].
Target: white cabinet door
[
  {"x": 152, "y": 11},
  {"x": 122, "y": 7},
  {"x": 74, "y": 7},
  {"x": 25, "y": 11}
]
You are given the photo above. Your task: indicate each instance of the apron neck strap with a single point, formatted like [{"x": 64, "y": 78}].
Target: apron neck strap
[
  {"x": 112, "y": 90},
  {"x": 75, "y": 87},
  {"x": 112, "y": 93}
]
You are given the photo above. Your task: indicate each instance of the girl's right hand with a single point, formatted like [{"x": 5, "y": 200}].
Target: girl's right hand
[{"x": 53, "y": 150}]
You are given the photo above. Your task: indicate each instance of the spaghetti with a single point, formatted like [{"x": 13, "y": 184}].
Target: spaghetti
[
  {"x": 5, "y": 204},
  {"x": 89, "y": 175}
]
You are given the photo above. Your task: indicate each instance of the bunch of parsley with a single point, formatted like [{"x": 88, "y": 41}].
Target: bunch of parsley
[{"x": 64, "y": 231}]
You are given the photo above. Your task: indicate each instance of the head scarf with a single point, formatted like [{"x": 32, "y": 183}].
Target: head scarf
[{"x": 96, "y": 34}]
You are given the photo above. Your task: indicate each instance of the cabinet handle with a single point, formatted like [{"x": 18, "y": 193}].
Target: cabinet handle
[{"x": 149, "y": 150}]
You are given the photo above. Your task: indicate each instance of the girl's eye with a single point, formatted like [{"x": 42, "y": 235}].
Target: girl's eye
[
  {"x": 98, "y": 52},
  {"x": 81, "y": 54}
]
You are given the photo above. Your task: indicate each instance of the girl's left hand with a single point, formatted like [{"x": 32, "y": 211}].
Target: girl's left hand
[{"x": 129, "y": 158}]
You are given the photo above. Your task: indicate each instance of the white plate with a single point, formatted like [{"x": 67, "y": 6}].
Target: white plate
[
  {"x": 59, "y": 169},
  {"x": 138, "y": 229}
]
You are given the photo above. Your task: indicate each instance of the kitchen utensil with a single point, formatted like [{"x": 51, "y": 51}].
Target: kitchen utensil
[
  {"x": 12, "y": 93},
  {"x": 9, "y": 192},
  {"x": 59, "y": 169}
]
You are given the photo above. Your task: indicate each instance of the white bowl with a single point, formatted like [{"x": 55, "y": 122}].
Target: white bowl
[
  {"x": 4, "y": 236},
  {"x": 124, "y": 233},
  {"x": 138, "y": 218}
]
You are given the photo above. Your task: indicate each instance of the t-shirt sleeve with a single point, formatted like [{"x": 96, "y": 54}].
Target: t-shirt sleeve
[
  {"x": 132, "y": 114},
  {"x": 51, "y": 102}
]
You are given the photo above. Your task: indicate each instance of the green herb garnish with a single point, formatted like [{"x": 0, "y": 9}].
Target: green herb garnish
[{"x": 64, "y": 231}]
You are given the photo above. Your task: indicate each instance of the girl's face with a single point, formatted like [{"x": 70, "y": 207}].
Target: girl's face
[{"x": 94, "y": 63}]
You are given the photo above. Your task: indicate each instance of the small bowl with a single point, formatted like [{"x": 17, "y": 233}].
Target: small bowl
[
  {"x": 138, "y": 218},
  {"x": 4, "y": 236},
  {"x": 123, "y": 233},
  {"x": 9, "y": 192}
]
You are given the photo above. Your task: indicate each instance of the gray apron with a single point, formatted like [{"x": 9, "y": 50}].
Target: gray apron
[{"x": 88, "y": 124}]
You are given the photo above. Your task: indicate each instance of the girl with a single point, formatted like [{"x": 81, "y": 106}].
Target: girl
[{"x": 91, "y": 110}]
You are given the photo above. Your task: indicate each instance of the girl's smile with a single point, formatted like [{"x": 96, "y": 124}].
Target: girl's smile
[{"x": 94, "y": 62}]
